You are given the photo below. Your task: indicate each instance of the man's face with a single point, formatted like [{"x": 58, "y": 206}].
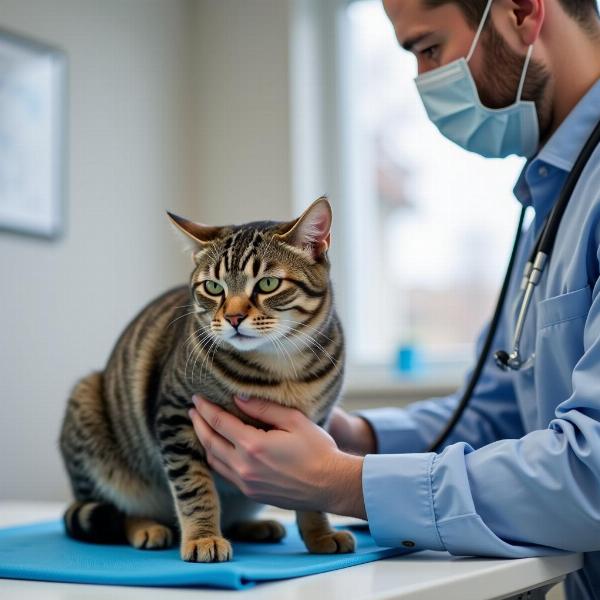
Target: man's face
[{"x": 437, "y": 36}]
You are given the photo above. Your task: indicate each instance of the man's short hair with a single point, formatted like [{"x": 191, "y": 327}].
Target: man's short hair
[{"x": 580, "y": 10}]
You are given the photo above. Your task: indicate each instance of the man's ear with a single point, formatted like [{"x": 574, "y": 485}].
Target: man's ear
[
  {"x": 195, "y": 235},
  {"x": 528, "y": 17},
  {"x": 311, "y": 231}
]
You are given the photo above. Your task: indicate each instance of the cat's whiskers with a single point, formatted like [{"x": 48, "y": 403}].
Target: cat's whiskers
[
  {"x": 298, "y": 332},
  {"x": 201, "y": 343},
  {"x": 291, "y": 340},
  {"x": 331, "y": 358},
  {"x": 207, "y": 352},
  {"x": 318, "y": 331},
  {"x": 206, "y": 342},
  {"x": 272, "y": 340},
  {"x": 213, "y": 356},
  {"x": 214, "y": 341},
  {"x": 180, "y": 317},
  {"x": 202, "y": 328},
  {"x": 197, "y": 350},
  {"x": 290, "y": 359},
  {"x": 284, "y": 350}
]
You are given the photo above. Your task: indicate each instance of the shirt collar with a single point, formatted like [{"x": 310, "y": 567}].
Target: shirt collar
[{"x": 563, "y": 147}]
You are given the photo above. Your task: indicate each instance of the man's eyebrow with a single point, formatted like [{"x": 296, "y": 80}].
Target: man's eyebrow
[{"x": 410, "y": 42}]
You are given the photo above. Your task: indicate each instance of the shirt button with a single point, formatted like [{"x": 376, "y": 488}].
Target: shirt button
[
  {"x": 408, "y": 543},
  {"x": 543, "y": 171}
]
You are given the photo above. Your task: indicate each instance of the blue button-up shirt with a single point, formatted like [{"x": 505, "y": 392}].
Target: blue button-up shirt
[{"x": 520, "y": 473}]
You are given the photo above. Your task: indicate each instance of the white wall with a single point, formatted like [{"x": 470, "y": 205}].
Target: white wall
[
  {"x": 131, "y": 155},
  {"x": 243, "y": 121}
]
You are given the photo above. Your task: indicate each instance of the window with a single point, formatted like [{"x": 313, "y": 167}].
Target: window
[{"x": 431, "y": 225}]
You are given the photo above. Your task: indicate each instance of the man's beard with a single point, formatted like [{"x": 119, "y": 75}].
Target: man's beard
[{"x": 501, "y": 72}]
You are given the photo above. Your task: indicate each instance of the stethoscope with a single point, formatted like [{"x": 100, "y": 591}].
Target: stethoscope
[{"x": 534, "y": 269}]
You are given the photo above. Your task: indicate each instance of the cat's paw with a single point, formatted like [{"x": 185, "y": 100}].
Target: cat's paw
[
  {"x": 332, "y": 542},
  {"x": 207, "y": 549},
  {"x": 152, "y": 537},
  {"x": 267, "y": 531}
]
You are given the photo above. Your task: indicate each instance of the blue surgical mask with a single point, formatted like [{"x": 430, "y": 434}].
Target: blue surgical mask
[{"x": 452, "y": 103}]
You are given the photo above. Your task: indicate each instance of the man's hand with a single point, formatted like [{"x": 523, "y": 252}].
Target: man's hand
[
  {"x": 352, "y": 433},
  {"x": 295, "y": 465}
]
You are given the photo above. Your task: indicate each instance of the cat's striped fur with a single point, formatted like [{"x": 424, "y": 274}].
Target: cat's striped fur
[{"x": 137, "y": 469}]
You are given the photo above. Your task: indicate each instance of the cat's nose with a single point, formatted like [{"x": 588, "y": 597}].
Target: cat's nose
[{"x": 235, "y": 320}]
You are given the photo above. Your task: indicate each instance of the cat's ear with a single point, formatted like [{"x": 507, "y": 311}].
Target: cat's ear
[
  {"x": 195, "y": 235},
  {"x": 311, "y": 231}
]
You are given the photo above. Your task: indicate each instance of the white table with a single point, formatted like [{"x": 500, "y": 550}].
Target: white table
[{"x": 425, "y": 575}]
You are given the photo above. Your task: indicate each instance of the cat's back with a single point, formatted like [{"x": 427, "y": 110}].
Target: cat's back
[
  {"x": 108, "y": 409},
  {"x": 134, "y": 368}
]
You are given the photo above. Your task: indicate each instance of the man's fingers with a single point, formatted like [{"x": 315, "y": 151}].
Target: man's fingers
[
  {"x": 228, "y": 425},
  {"x": 211, "y": 441},
  {"x": 282, "y": 417}
]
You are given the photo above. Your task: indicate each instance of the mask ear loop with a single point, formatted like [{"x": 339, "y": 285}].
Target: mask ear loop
[
  {"x": 479, "y": 29},
  {"x": 524, "y": 73}
]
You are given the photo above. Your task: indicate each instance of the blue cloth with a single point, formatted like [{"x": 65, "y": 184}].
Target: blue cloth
[
  {"x": 43, "y": 552},
  {"x": 520, "y": 474}
]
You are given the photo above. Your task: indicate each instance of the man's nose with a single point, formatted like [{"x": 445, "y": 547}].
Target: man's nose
[{"x": 235, "y": 320}]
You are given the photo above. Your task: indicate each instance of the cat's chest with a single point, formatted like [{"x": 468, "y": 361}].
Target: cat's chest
[{"x": 301, "y": 396}]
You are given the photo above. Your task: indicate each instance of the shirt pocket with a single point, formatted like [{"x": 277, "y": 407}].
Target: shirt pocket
[
  {"x": 558, "y": 347},
  {"x": 565, "y": 307}
]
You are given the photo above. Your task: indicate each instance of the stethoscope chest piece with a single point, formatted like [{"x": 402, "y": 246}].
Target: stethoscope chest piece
[
  {"x": 513, "y": 361},
  {"x": 532, "y": 275}
]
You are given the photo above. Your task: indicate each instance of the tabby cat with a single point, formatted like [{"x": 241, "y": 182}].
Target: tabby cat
[{"x": 256, "y": 319}]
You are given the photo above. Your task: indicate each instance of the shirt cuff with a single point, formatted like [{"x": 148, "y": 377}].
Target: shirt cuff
[
  {"x": 395, "y": 430},
  {"x": 399, "y": 501}
]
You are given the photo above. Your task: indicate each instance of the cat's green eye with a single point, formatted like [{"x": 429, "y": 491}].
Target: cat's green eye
[
  {"x": 213, "y": 288},
  {"x": 268, "y": 284}
]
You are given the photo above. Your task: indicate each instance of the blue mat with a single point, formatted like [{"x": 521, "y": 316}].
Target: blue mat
[{"x": 43, "y": 552}]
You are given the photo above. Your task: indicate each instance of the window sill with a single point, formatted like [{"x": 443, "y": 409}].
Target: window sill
[{"x": 370, "y": 386}]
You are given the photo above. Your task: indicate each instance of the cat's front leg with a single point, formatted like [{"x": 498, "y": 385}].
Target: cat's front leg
[
  {"x": 194, "y": 492},
  {"x": 319, "y": 537}
]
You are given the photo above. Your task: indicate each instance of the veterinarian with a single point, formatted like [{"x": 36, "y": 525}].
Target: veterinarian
[{"x": 519, "y": 474}]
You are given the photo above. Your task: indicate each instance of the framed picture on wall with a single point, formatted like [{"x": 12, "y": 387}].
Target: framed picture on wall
[{"x": 32, "y": 136}]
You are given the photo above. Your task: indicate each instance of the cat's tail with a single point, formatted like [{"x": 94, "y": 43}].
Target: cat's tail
[{"x": 96, "y": 522}]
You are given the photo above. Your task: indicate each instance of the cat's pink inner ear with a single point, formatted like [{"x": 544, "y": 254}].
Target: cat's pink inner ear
[{"x": 312, "y": 231}]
